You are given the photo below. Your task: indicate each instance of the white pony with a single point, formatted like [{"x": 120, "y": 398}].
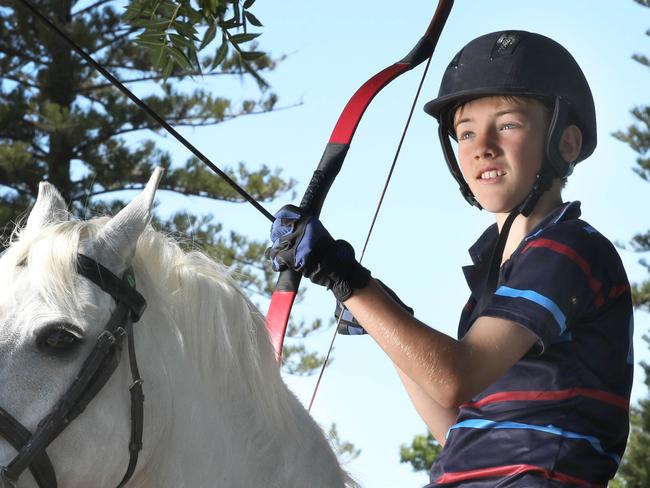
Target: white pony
[{"x": 216, "y": 412}]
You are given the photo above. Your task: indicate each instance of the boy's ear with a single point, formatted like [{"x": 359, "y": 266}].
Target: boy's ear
[{"x": 571, "y": 143}]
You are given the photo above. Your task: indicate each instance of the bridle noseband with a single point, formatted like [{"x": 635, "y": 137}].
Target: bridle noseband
[{"x": 93, "y": 375}]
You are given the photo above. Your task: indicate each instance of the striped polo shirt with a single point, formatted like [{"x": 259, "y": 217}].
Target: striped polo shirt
[{"x": 559, "y": 416}]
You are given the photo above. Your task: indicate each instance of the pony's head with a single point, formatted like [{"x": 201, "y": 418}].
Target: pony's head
[{"x": 50, "y": 320}]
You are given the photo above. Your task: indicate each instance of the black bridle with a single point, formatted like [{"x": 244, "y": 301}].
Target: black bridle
[{"x": 93, "y": 375}]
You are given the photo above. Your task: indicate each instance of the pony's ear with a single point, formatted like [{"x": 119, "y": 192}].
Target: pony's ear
[
  {"x": 49, "y": 208},
  {"x": 116, "y": 241}
]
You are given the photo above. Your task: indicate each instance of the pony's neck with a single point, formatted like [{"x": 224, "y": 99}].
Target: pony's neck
[{"x": 218, "y": 407}]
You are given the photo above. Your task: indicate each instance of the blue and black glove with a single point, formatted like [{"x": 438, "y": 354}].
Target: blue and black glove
[
  {"x": 301, "y": 243},
  {"x": 348, "y": 325}
]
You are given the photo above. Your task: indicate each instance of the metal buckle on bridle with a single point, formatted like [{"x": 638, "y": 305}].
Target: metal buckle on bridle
[{"x": 93, "y": 375}]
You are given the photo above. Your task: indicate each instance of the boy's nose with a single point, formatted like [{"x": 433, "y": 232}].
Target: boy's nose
[{"x": 485, "y": 146}]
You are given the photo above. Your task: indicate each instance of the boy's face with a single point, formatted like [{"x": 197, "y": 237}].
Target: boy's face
[{"x": 500, "y": 148}]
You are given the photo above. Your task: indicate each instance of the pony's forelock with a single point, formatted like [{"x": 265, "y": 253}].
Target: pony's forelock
[{"x": 49, "y": 257}]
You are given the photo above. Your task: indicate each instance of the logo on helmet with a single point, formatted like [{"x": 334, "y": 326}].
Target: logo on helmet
[{"x": 505, "y": 45}]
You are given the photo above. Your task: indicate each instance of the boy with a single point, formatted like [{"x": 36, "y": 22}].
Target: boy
[{"x": 535, "y": 391}]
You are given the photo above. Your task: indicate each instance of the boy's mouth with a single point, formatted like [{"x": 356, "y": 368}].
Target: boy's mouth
[{"x": 491, "y": 174}]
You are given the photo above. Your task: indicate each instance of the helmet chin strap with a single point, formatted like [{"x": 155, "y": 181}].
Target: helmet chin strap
[
  {"x": 444, "y": 132},
  {"x": 543, "y": 182},
  {"x": 553, "y": 166}
]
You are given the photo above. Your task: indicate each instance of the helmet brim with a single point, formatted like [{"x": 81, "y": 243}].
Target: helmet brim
[{"x": 438, "y": 106}]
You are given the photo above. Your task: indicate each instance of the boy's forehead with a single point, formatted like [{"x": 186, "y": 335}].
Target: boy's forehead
[{"x": 495, "y": 104}]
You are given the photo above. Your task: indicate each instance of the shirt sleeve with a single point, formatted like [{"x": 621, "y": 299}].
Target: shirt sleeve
[{"x": 550, "y": 283}]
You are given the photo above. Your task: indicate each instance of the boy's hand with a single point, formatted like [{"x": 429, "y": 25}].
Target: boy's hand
[{"x": 301, "y": 243}]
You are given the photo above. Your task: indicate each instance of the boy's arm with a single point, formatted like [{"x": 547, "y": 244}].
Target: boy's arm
[
  {"x": 447, "y": 370},
  {"x": 437, "y": 418}
]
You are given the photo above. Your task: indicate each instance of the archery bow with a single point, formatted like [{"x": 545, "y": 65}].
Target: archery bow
[{"x": 331, "y": 162}]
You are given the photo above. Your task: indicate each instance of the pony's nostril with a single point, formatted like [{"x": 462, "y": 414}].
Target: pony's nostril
[{"x": 59, "y": 337}]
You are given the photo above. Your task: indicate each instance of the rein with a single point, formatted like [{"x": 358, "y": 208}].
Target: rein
[{"x": 96, "y": 370}]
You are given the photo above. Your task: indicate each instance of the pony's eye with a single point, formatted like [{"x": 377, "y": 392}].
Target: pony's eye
[{"x": 58, "y": 337}]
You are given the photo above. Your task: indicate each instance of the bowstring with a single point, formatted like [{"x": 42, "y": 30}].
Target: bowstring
[{"x": 374, "y": 220}]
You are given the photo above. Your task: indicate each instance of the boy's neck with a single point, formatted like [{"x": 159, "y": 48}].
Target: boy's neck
[{"x": 522, "y": 226}]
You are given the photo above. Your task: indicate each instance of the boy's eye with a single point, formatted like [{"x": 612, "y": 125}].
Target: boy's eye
[
  {"x": 465, "y": 135},
  {"x": 509, "y": 125}
]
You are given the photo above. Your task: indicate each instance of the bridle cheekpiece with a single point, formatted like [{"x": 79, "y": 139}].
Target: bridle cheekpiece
[{"x": 93, "y": 375}]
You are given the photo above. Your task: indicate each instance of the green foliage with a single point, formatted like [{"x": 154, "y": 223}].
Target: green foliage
[
  {"x": 641, "y": 295},
  {"x": 345, "y": 451},
  {"x": 61, "y": 122},
  {"x": 422, "y": 452},
  {"x": 296, "y": 360},
  {"x": 634, "y": 471},
  {"x": 637, "y": 136},
  {"x": 169, "y": 30},
  {"x": 196, "y": 179}
]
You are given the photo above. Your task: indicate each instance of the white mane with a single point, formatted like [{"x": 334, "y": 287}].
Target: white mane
[
  {"x": 195, "y": 309},
  {"x": 218, "y": 325}
]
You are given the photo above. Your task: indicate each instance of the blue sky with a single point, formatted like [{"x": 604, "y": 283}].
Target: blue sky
[{"x": 425, "y": 226}]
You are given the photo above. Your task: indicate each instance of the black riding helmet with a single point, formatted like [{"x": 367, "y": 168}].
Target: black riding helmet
[{"x": 518, "y": 63}]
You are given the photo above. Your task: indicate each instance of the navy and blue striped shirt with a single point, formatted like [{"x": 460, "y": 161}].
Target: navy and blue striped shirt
[{"x": 559, "y": 416}]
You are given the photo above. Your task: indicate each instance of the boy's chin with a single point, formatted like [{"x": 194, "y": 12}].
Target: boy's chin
[{"x": 498, "y": 205}]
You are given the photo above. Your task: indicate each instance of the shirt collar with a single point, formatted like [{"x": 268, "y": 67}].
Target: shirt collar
[{"x": 480, "y": 250}]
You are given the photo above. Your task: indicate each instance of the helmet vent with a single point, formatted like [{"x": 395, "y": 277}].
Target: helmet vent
[
  {"x": 453, "y": 64},
  {"x": 505, "y": 44}
]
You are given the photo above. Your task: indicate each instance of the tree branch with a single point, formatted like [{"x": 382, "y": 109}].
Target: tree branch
[
  {"x": 151, "y": 78},
  {"x": 120, "y": 66},
  {"x": 4, "y": 48},
  {"x": 113, "y": 40},
  {"x": 103, "y": 192},
  {"x": 95, "y": 100},
  {"x": 177, "y": 123},
  {"x": 140, "y": 187},
  {"x": 38, "y": 151},
  {"x": 92, "y": 6},
  {"x": 10, "y": 69},
  {"x": 187, "y": 121},
  {"x": 16, "y": 189},
  {"x": 19, "y": 81}
]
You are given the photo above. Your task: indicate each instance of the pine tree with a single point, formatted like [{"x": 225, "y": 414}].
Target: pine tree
[
  {"x": 635, "y": 468},
  {"x": 60, "y": 121}
]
